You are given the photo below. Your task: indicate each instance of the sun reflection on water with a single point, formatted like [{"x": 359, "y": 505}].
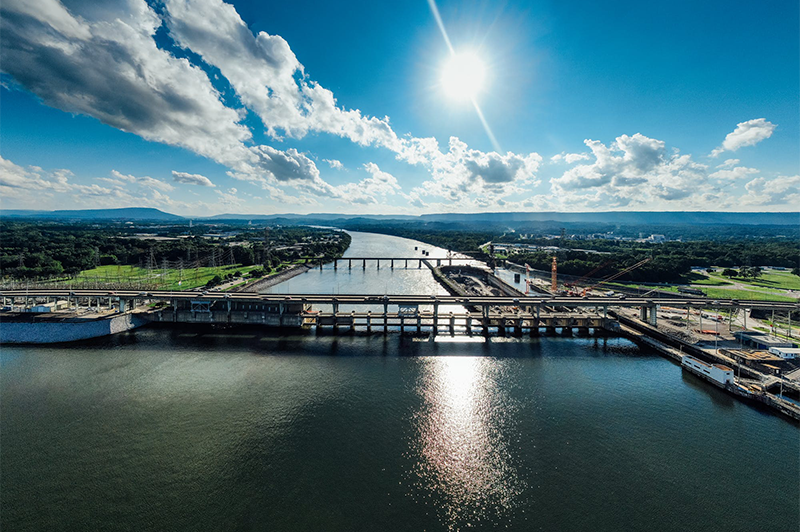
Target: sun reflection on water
[{"x": 464, "y": 466}]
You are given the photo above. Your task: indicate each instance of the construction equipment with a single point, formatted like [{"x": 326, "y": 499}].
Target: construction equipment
[
  {"x": 617, "y": 275},
  {"x": 576, "y": 284}
]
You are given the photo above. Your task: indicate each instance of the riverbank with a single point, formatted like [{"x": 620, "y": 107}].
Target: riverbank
[{"x": 263, "y": 284}]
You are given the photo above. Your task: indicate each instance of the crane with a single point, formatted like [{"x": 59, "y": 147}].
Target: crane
[
  {"x": 618, "y": 274},
  {"x": 575, "y": 284}
]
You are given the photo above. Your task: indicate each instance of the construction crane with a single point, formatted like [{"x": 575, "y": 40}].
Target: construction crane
[
  {"x": 575, "y": 284},
  {"x": 617, "y": 275}
]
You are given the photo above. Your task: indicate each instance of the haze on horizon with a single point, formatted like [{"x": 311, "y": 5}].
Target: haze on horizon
[{"x": 200, "y": 107}]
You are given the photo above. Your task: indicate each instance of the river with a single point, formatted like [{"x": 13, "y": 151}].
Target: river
[{"x": 192, "y": 429}]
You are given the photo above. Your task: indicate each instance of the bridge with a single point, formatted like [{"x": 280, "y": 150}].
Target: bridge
[
  {"x": 430, "y": 311},
  {"x": 400, "y": 262}
]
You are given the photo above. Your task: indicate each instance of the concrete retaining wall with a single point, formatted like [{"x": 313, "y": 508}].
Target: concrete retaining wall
[{"x": 68, "y": 330}]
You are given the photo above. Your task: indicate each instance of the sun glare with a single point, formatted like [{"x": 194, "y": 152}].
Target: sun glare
[{"x": 463, "y": 76}]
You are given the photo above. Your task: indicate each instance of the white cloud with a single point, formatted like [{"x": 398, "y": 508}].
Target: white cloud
[
  {"x": 35, "y": 188},
  {"x": 782, "y": 190},
  {"x": 192, "y": 179},
  {"x": 267, "y": 76},
  {"x": 105, "y": 63},
  {"x": 334, "y": 163},
  {"x": 729, "y": 163},
  {"x": 747, "y": 133},
  {"x": 228, "y": 197},
  {"x": 370, "y": 190},
  {"x": 119, "y": 180},
  {"x": 633, "y": 170},
  {"x": 463, "y": 175},
  {"x": 569, "y": 158},
  {"x": 733, "y": 174}
]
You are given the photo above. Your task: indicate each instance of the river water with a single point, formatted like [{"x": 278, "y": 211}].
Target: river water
[{"x": 192, "y": 429}]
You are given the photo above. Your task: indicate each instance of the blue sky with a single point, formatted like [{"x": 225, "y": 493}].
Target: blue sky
[{"x": 201, "y": 107}]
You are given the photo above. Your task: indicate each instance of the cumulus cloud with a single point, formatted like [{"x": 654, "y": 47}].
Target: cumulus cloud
[
  {"x": 747, "y": 133},
  {"x": 228, "y": 197},
  {"x": 463, "y": 175},
  {"x": 733, "y": 174},
  {"x": 105, "y": 63},
  {"x": 267, "y": 76},
  {"x": 782, "y": 190},
  {"x": 191, "y": 179},
  {"x": 370, "y": 190},
  {"x": 569, "y": 158},
  {"x": 334, "y": 163},
  {"x": 729, "y": 163},
  {"x": 35, "y": 188},
  {"x": 632, "y": 170}
]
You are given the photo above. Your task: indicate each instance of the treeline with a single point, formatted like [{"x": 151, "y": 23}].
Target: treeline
[
  {"x": 772, "y": 252},
  {"x": 35, "y": 250},
  {"x": 669, "y": 262}
]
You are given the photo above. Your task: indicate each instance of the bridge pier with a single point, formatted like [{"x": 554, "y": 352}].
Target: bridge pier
[
  {"x": 349, "y": 264},
  {"x": 392, "y": 266},
  {"x": 281, "y": 309},
  {"x": 406, "y": 264},
  {"x": 369, "y": 321},
  {"x": 643, "y": 314},
  {"x": 419, "y": 323},
  {"x": 385, "y": 318},
  {"x": 122, "y": 303},
  {"x": 420, "y": 264},
  {"x": 436, "y": 318},
  {"x": 452, "y": 324},
  {"x": 469, "y": 324},
  {"x": 378, "y": 261},
  {"x": 654, "y": 316},
  {"x": 364, "y": 265},
  {"x": 352, "y": 321},
  {"x": 320, "y": 265},
  {"x": 335, "y": 308},
  {"x": 335, "y": 264},
  {"x": 485, "y": 323}
]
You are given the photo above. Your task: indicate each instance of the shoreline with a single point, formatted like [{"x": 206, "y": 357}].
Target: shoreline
[{"x": 271, "y": 281}]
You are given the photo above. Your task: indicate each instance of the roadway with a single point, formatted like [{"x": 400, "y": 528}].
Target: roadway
[{"x": 413, "y": 299}]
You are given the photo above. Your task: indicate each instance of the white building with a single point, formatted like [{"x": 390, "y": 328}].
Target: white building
[
  {"x": 786, "y": 353},
  {"x": 716, "y": 373}
]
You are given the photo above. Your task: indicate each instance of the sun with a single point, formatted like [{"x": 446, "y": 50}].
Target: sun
[{"x": 463, "y": 76}]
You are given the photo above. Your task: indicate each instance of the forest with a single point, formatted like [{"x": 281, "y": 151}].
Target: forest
[
  {"x": 669, "y": 261},
  {"x": 40, "y": 250}
]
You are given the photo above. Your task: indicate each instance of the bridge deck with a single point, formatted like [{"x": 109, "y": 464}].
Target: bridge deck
[{"x": 538, "y": 300}]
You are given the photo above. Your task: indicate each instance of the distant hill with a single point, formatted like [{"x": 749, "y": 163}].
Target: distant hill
[
  {"x": 125, "y": 214},
  {"x": 627, "y": 217},
  {"x": 488, "y": 218},
  {"x": 314, "y": 217}
]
